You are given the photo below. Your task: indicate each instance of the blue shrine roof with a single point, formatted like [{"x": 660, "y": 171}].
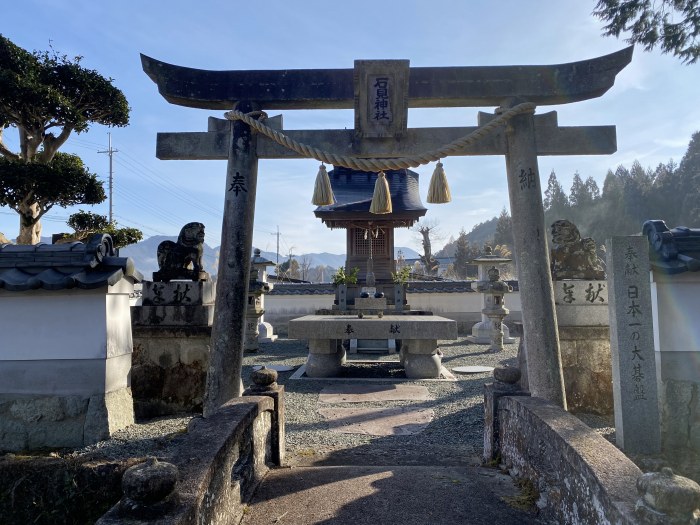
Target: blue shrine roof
[
  {"x": 353, "y": 191},
  {"x": 89, "y": 265}
]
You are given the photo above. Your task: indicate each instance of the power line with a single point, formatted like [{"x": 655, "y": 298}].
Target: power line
[
  {"x": 134, "y": 223},
  {"x": 84, "y": 143},
  {"x": 133, "y": 165},
  {"x": 167, "y": 184},
  {"x": 145, "y": 206}
]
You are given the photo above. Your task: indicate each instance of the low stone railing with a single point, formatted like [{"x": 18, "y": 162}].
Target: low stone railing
[
  {"x": 214, "y": 470},
  {"x": 580, "y": 476}
]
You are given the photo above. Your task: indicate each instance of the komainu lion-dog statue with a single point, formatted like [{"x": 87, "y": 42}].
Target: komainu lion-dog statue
[
  {"x": 573, "y": 257},
  {"x": 182, "y": 259}
]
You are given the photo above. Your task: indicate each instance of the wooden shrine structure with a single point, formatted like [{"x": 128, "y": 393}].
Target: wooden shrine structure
[{"x": 381, "y": 92}]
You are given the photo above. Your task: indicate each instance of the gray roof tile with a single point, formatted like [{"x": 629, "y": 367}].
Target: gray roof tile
[{"x": 62, "y": 266}]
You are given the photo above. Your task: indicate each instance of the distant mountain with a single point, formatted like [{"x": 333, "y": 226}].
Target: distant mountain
[
  {"x": 331, "y": 260},
  {"x": 144, "y": 255}
]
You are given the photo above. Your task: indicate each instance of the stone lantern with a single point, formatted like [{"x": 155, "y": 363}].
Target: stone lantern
[
  {"x": 257, "y": 286},
  {"x": 482, "y": 332},
  {"x": 494, "y": 291}
]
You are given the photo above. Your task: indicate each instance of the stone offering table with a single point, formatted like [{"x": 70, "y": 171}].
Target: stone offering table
[{"x": 419, "y": 335}]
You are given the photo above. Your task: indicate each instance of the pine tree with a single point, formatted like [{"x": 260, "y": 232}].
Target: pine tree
[{"x": 46, "y": 97}]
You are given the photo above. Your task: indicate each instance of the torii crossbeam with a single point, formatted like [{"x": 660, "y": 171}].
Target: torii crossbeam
[{"x": 381, "y": 92}]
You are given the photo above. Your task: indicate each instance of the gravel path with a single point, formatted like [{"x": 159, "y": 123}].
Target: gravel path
[{"x": 454, "y": 437}]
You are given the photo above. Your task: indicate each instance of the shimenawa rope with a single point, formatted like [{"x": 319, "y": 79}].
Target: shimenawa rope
[{"x": 362, "y": 164}]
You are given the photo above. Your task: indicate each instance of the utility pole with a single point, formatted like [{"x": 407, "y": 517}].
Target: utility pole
[
  {"x": 277, "y": 265},
  {"x": 278, "y": 244},
  {"x": 110, "y": 152}
]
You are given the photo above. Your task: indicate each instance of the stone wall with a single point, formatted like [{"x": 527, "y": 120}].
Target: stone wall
[
  {"x": 218, "y": 466},
  {"x": 677, "y": 345},
  {"x": 680, "y": 417},
  {"x": 64, "y": 381},
  {"x": 581, "y": 477},
  {"x": 30, "y": 422}
]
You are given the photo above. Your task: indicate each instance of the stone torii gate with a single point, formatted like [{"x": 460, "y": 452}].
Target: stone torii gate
[{"x": 393, "y": 87}]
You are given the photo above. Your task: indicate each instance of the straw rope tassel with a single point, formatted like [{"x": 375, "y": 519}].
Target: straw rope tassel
[
  {"x": 381, "y": 199},
  {"x": 323, "y": 193},
  {"x": 439, "y": 190}
]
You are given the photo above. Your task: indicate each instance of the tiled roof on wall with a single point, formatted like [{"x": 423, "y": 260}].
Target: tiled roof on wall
[{"x": 89, "y": 265}]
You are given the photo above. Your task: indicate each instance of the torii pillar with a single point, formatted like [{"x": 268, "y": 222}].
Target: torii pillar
[
  {"x": 224, "y": 380},
  {"x": 545, "y": 377},
  {"x": 524, "y": 138}
]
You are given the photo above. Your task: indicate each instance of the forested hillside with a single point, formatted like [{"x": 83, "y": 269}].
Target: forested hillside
[{"x": 630, "y": 196}]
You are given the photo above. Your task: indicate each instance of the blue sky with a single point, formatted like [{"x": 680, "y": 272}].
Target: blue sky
[{"x": 654, "y": 103}]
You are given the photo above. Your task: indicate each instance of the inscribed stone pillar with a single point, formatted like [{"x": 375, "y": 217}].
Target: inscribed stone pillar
[
  {"x": 228, "y": 330},
  {"x": 529, "y": 234},
  {"x": 637, "y": 428}
]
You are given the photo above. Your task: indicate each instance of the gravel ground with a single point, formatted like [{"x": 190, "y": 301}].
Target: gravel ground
[{"x": 455, "y": 436}]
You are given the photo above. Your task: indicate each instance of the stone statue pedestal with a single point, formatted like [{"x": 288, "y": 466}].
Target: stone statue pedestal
[
  {"x": 175, "y": 303},
  {"x": 172, "y": 332},
  {"x": 584, "y": 342}
]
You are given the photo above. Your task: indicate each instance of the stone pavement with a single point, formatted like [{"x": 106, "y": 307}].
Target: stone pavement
[{"x": 366, "y": 494}]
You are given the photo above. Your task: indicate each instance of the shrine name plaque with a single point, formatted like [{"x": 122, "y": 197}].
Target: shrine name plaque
[{"x": 381, "y": 98}]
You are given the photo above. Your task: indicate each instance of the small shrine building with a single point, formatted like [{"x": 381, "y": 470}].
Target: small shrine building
[{"x": 371, "y": 236}]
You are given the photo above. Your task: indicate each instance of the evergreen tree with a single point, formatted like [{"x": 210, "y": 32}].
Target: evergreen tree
[
  {"x": 555, "y": 200},
  {"x": 608, "y": 216},
  {"x": 504, "y": 229},
  {"x": 46, "y": 97},
  {"x": 462, "y": 255},
  {"x": 290, "y": 269},
  {"x": 635, "y": 196},
  {"x": 673, "y": 25},
  {"x": 86, "y": 223},
  {"x": 689, "y": 175},
  {"x": 592, "y": 189},
  {"x": 612, "y": 187},
  {"x": 666, "y": 188},
  {"x": 580, "y": 195}
]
